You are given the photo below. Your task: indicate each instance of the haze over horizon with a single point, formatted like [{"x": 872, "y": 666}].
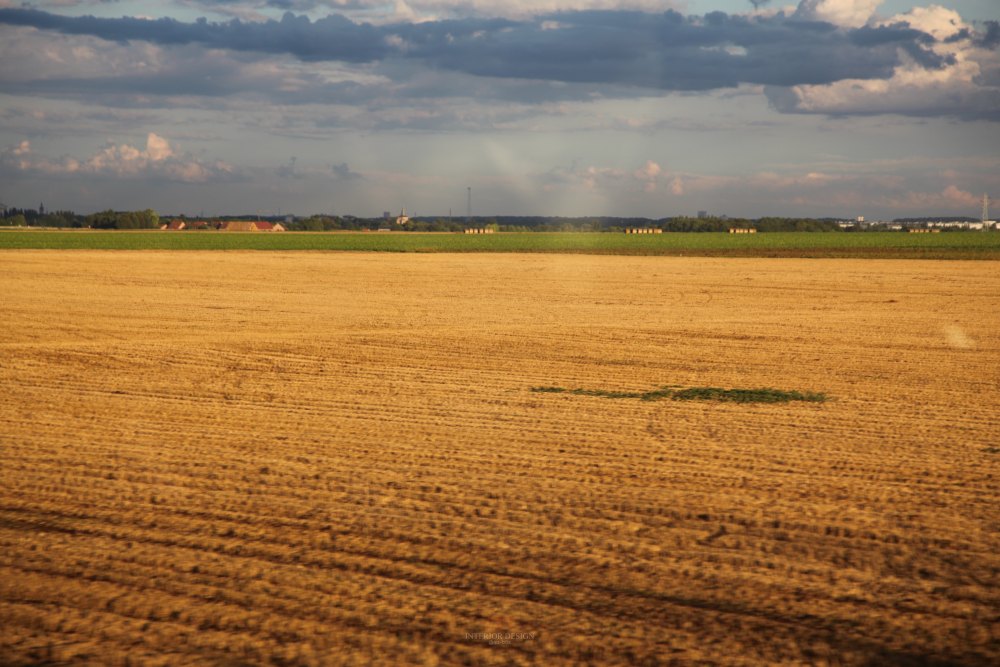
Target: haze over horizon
[{"x": 645, "y": 108}]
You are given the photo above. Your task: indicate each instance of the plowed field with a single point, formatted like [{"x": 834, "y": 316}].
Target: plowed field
[{"x": 310, "y": 459}]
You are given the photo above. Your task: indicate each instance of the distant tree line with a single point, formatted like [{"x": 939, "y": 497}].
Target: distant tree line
[
  {"x": 149, "y": 219},
  {"x": 20, "y": 217},
  {"x": 28, "y": 217},
  {"x": 327, "y": 223}
]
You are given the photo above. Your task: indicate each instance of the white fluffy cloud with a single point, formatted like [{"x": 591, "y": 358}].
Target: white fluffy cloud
[
  {"x": 960, "y": 87},
  {"x": 158, "y": 160},
  {"x": 845, "y": 13},
  {"x": 646, "y": 178},
  {"x": 648, "y": 175}
]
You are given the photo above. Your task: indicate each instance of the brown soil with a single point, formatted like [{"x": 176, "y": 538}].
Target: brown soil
[{"x": 243, "y": 458}]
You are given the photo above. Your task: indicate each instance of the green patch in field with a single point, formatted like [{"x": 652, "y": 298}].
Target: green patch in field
[
  {"x": 763, "y": 395},
  {"x": 876, "y": 245}
]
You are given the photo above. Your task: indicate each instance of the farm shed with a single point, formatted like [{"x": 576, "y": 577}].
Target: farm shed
[{"x": 238, "y": 226}]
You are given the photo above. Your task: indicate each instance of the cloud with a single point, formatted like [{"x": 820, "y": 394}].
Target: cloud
[
  {"x": 158, "y": 160},
  {"x": 845, "y": 13},
  {"x": 144, "y": 75},
  {"x": 18, "y": 119},
  {"x": 648, "y": 175},
  {"x": 990, "y": 39},
  {"x": 839, "y": 189},
  {"x": 646, "y": 178},
  {"x": 663, "y": 51},
  {"x": 331, "y": 38},
  {"x": 830, "y": 57},
  {"x": 587, "y": 178},
  {"x": 288, "y": 170},
  {"x": 61, "y": 3},
  {"x": 342, "y": 172},
  {"x": 384, "y": 11},
  {"x": 951, "y": 200},
  {"x": 962, "y": 80}
]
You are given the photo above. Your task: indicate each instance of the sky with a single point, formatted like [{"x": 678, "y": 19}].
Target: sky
[{"x": 653, "y": 108}]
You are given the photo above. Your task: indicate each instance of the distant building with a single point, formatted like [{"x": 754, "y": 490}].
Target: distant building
[
  {"x": 702, "y": 214},
  {"x": 174, "y": 225},
  {"x": 250, "y": 226},
  {"x": 402, "y": 219},
  {"x": 957, "y": 224},
  {"x": 237, "y": 226}
]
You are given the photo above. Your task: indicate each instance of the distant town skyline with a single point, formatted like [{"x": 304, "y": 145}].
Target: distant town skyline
[{"x": 650, "y": 108}]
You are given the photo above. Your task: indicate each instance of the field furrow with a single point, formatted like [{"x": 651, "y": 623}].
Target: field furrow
[{"x": 351, "y": 461}]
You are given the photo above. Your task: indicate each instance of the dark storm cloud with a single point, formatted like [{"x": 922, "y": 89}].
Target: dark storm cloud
[
  {"x": 668, "y": 52},
  {"x": 991, "y": 37},
  {"x": 332, "y": 38},
  {"x": 917, "y": 44},
  {"x": 655, "y": 51}
]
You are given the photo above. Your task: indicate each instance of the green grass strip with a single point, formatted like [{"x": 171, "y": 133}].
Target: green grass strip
[{"x": 953, "y": 245}]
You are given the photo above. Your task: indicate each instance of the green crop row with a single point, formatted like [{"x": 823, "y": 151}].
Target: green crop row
[{"x": 954, "y": 245}]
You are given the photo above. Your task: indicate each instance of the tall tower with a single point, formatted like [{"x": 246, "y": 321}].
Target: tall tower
[
  {"x": 986, "y": 207},
  {"x": 468, "y": 206}
]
